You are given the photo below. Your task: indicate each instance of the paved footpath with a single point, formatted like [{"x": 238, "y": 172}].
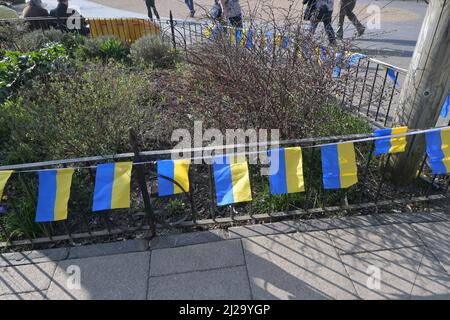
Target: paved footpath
[{"x": 314, "y": 259}]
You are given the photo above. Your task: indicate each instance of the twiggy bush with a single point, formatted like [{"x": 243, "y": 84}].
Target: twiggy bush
[
  {"x": 151, "y": 51},
  {"x": 281, "y": 81}
]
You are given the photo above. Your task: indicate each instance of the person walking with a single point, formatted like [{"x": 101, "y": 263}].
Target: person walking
[
  {"x": 190, "y": 5},
  {"x": 231, "y": 11},
  {"x": 346, "y": 9},
  {"x": 151, "y": 6},
  {"x": 320, "y": 11}
]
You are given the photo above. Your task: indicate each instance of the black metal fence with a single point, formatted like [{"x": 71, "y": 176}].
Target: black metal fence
[
  {"x": 197, "y": 208},
  {"x": 369, "y": 89}
]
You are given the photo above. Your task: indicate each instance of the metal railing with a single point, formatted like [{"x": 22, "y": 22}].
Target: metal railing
[
  {"x": 369, "y": 90},
  {"x": 197, "y": 208},
  {"x": 372, "y": 92}
]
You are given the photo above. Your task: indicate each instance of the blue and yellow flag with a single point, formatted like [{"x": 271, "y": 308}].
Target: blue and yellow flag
[
  {"x": 268, "y": 41},
  {"x": 321, "y": 55},
  {"x": 390, "y": 145},
  {"x": 249, "y": 38},
  {"x": 211, "y": 31},
  {"x": 235, "y": 36},
  {"x": 54, "y": 193},
  {"x": 392, "y": 75},
  {"x": 446, "y": 107},
  {"x": 176, "y": 170},
  {"x": 339, "y": 166},
  {"x": 282, "y": 41},
  {"x": 232, "y": 180},
  {"x": 354, "y": 58},
  {"x": 4, "y": 177},
  {"x": 112, "y": 186},
  {"x": 338, "y": 62},
  {"x": 286, "y": 171},
  {"x": 438, "y": 150}
]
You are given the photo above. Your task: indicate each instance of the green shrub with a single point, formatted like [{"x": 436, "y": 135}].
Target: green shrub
[
  {"x": 338, "y": 122},
  {"x": 10, "y": 35},
  {"x": 153, "y": 52},
  {"x": 81, "y": 112},
  {"x": 17, "y": 68},
  {"x": 104, "y": 48},
  {"x": 38, "y": 39}
]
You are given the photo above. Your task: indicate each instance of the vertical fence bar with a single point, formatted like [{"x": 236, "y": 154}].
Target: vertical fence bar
[
  {"x": 142, "y": 184},
  {"x": 211, "y": 192},
  {"x": 172, "y": 29},
  {"x": 390, "y": 100},
  {"x": 344, "y": 94},
  {"x": 373, "y": 88},
  {"x": 364, "y": 86},
  {"x": 381, "y": 96},
  {"x": 354, "y": 82},
  {"x": 363, "y": 180}
]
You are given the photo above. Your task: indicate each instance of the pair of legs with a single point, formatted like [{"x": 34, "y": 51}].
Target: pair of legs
[
  {"x": 324, "y": 16},
  {"x": 347, "y": 7},
  {"x": 236, "y": 21},
  {"x": 151, "y": 6},
  {"x": 190, "y": 5}
]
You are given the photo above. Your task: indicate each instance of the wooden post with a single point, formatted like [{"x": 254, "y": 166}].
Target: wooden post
[{"x": 425, "y": 88}]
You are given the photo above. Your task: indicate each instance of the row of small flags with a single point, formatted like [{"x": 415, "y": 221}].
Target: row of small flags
[
  {"x": 231, "y": 174},
  {"x": 246, "y": 38}
]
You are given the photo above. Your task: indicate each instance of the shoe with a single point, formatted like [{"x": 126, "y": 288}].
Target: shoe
[
  {"x": 361, "y": 31},
  {"x": 192, "y": 13}
]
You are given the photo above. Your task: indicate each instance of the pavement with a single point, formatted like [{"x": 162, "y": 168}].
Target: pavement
[
  {"x": 395, "y": 256},
  {"x": 392, "y": 41}
]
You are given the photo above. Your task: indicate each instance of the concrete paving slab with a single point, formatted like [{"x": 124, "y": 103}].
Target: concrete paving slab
[
  {"x": 115, "y": 277},
  {"x": 104, "y": 249},
  {"x": 374, "y": 238},
  {"x": 26, "y": 278},
  {"x": 408, "y": 273},
  {"x": 264, "y": 229},
  {"x": 218, "y": 284},
  {"x": 396, "y": 269},
  {"x": 338, "y": 223},
  {"x": 187, "y": 239},
  {"x": 423, "y": 217},
  {"x": 197, "y": 257},
  {"x": 296, "y": 266},
  {"x": 35, "y": 295},
  {"x": 36, "y": 256},
  {"x": 436, "y": 237}
]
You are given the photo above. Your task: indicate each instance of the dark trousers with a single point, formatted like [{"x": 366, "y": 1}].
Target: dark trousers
[
  {"x": 236, "y": 21},
  {"x": 190, "y": 4},
  {"x": 347, "y": 7},
  {"x": 151, "y": 5},
  {"x": 326, "y": 17}
]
